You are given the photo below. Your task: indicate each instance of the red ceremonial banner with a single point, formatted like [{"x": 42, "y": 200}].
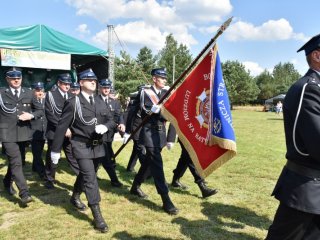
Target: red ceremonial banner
[{"x": 188, "y": 108}]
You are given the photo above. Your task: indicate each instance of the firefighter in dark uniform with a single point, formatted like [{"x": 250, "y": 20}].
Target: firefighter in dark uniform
[
  {"x": 88, "y": 119},
  {"x": 17, "y": 108},
  {"x": 38, "y": 126},
  {"x": 115, "y": 108},
  {"x": 298, "y": 187},
  {"x": 153, "y": 138},
  {"x": 74, "y": 88},
  {"x": 54, "y": 103}
]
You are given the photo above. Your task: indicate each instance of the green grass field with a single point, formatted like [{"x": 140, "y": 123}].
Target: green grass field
[{"x": 242, "y": 209}]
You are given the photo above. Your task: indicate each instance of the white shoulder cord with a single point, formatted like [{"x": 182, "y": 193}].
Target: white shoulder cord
[
  {"x": 78, "y": 109},
  {"x": 5, "y": 109},
  {"x": 53, "y": 104},
  {"x": 142, "y": 103},
  {"x": 296, "y": 120}
]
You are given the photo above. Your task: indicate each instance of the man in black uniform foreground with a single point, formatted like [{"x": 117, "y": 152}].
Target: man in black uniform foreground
[
  {"x": 17, "y": 108},
  {"x": 298, "y": 187},
  {"x": 153, "y": 138},
  {"x": 54, "y": 103},
  {"x": 88, "y": 119}
]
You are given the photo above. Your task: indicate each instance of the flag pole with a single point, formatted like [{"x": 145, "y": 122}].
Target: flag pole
[{"x": 222, "y": 28}]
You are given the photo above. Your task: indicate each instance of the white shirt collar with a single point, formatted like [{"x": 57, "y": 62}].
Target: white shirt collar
[
  {"x": 86, "y": 96},
  {"x": 63, "y": 93},
  {"x": 14, "y": 89},
  {"x": 156, "y": 90}
]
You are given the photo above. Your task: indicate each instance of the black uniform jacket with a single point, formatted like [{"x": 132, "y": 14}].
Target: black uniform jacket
[
  {"x": 52, "y": 115},
  {"x": 83, "y": 134},
  {"x": 296, "y": 188},
  {"x": 153, "y": 133},
  {"x": 134, "y": 116},
  {"x": 39, "y": 125},
  {"x": 115, "y": 108},
  {"x": 11, "y": 128}
]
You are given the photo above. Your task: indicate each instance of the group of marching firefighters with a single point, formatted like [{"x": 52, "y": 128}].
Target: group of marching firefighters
[{"x": 72, "y": 117}]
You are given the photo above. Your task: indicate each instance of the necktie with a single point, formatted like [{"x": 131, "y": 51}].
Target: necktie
[
  {"x": 16, "y": 94},
  {"x": 91, "y": 100},
  {"x": 159, "y": 93},
  {"x": 106, "y": 100},
  {"x": 65, "y": 96}
]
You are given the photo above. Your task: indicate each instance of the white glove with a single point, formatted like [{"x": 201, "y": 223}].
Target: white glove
[
  {"x": 55, "y": 157},
  {"x": 25, "y": 116},
  {"x": 155, "y": 108},
  {"x": 101, "y": 129},
  {"x": 125, "y": 138},
  {"x": 170, "y": 145}
]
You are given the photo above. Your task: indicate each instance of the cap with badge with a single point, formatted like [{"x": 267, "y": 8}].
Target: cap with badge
[
  {"x": 38, "y": 85},
  {"x": 105, "y": 83},
  {"x": 14, "y": 73},
  {"x": 161, "y": 72},
  {"x": 75, "y": 85},
  {"x": 87, "y": 74},
  {"x": 311, "y": 45},
  {"x": 65, "y": 78}
]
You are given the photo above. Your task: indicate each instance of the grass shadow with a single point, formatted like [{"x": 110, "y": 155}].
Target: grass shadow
[
  {"x": 225, "y": 221},
  {"x": 124, "y": 235}
]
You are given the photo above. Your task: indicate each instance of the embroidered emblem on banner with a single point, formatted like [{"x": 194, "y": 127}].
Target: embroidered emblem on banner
[{"x": 203, "y": 108}]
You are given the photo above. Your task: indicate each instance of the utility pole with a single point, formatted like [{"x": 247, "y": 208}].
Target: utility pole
[
  {"x": 111, "y": 55},
  {"x": 173, "y": 67}
]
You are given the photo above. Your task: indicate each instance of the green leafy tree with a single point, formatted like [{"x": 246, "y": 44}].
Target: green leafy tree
[
  {"x": 146, "y": 61},
  {"x": 266, "y": 85},
  {"x": 284, "y": 76},
  {"x": 128, "y": 75},
  {"x": 172, "y": 51},
  {"x": 242, "y": 88}
]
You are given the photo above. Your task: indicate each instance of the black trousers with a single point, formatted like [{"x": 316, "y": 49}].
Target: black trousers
[
  {"x": 87, "y": 180},
  {"x": 134, "y": 156},
  {"x": 153, "y": 161},
  {"x": 184, "y": 163},
  {"x": 50, "y": 168},
  {"x": 292, "y": 224},
  {"x": 108, "y": 163},
  {"x": 14, "y": 172},
  {"x": 37, "y": 146}
]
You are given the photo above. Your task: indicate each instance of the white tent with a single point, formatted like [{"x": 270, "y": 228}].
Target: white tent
[{"x": 275, "y": 99}]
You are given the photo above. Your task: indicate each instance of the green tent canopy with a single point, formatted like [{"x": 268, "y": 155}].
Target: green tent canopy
[{"x": 45, "y": 39}]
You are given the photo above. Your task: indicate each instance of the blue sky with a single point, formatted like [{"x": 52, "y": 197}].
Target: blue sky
[{"x": 262, "y": 34}]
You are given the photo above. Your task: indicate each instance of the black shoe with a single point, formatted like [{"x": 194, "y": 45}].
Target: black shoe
[
  {"x": 10, "y": 189},
  {"x": 138, "y": 192},
  {"x": 168, "y": 206},
  {"x": 177, "y": 184},
  {"x": 49, "y": 185},
  {"x": 206, "y": 191},
  {"x": 76, "y": 202},
  {"x": 26, "y": 199},
  {"x": 116, "y": 184},
  {"x": 98, "y": 220}
]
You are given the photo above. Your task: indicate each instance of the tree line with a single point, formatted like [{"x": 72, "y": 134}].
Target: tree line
[{"x": 242, "y": 87}]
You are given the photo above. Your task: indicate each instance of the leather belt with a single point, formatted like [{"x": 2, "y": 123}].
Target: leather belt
[
  {"x": 91, "y": 142},
  {"x": 302, "y": 170},
  {"x": 157, "y": 127}
]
